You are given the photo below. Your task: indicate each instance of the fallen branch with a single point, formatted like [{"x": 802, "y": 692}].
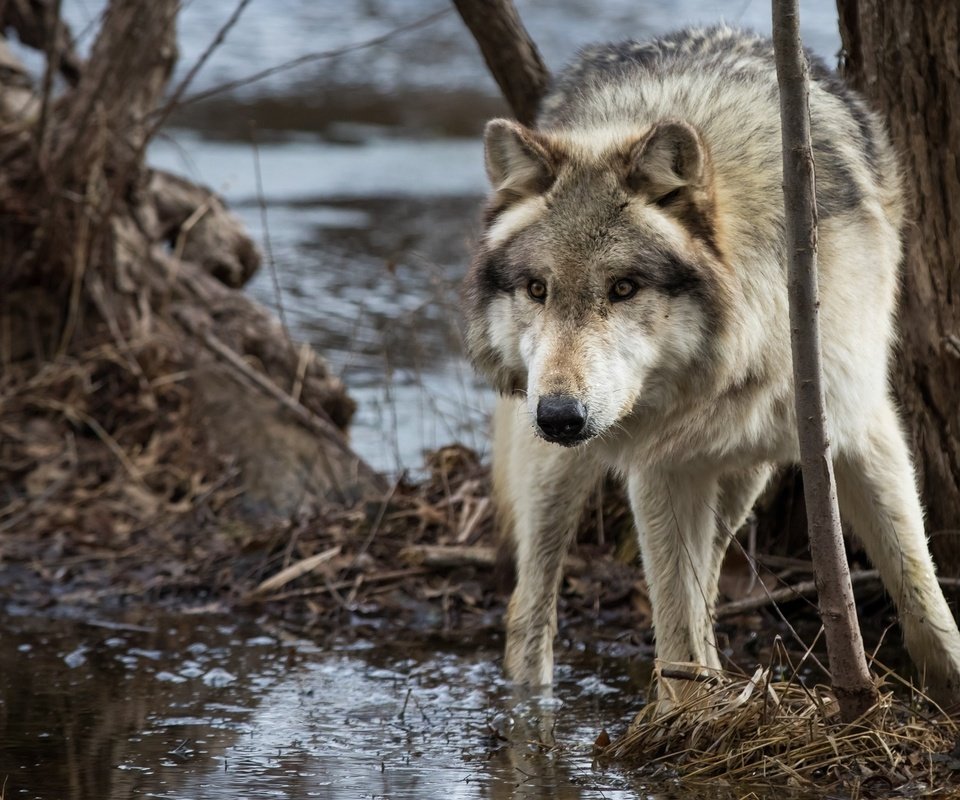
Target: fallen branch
[
  {"x": 297, "y": 570},
  {"x": 449, "y": 557},
  {"x": 672, "y": 673},
  {"x": 453, "y": 556},
  {"x": 805, "y": 589},
  {"x": 312, "y": 591},
  {"x": 796, "y": 591}
]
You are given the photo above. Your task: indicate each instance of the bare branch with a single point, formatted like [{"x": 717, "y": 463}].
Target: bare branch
[
  {"x": 852, "y": 684},
  {"x": 785, "y": 594},
  {"x": 309, "y": 58},
  {"x": 510, "y": 53},
  {"x": 159, "y": 116}
]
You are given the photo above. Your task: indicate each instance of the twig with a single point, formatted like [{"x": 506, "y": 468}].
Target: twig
[
  {"x": 82, "y": 250},
  {"x": 796, "y": 591},
  {"x": 805, "y": 589},
  {"x": 601, "y": 533},
  {"x": 354, "y": 590},
  {"x": 49, "y": 492},
  {"x": 264, "y": 223},
  {"x": 683, "y": 675},
  {"x": 77, "y": 415},
  {"x": 468, "y": 533},
  {"x": 309, "y": 58},
  {"x": 303, "y": 361},
  {"x": 46, "y": 93},
  {"x": 160, "y": 115},
  {"x": 795, "y": 675},
  {"x": 188, "y": 225},
  {"x": 776, "y": 608},
  {"x": 99, "y": 295},
  {"x": 439, "y": 556},
  {"x": 297, "y": 570},
  {"x": 452, "y": 556},
  {"x": 375, "y": 528},
  {"x": 312, "y": 591},
  {"x": 405, "y": 701}
]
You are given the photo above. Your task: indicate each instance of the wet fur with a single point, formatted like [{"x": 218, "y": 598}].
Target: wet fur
[{"x": 661, "y": 163}]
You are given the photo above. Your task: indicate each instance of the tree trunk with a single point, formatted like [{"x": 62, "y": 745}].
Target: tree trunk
[{"x": 904, "y": 55}]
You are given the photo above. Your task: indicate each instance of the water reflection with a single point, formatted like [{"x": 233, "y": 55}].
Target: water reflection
[
  {"x": 440, "y": 55},
  {"x": 200, "y": 707}
]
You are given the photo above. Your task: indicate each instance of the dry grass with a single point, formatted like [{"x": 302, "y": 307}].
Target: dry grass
[{"x": 767, "y": 731}]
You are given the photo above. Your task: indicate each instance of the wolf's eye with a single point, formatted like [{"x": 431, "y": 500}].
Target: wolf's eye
[
  {"x": 537, "y": 290},
  {"x": 623, "y": 289}
]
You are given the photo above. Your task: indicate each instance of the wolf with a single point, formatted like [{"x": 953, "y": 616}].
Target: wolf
[{"x": 628, "y": 300}]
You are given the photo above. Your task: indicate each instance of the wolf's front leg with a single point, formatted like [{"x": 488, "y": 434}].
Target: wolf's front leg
[
  {"x": 541, "y": 489},
  {"x": 878, "y": 496},
  {"x": 676, "y": 524},
  {"x": 738, "y": 492}
]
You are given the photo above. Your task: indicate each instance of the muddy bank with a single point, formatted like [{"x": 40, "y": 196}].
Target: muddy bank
[{"x": 423, "y": 558}]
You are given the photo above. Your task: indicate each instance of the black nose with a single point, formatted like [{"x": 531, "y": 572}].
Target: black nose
[{"x": 561, "y": 417}]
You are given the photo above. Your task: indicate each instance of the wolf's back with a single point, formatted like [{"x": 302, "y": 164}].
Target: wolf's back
[{"x": 723, "y": 81}]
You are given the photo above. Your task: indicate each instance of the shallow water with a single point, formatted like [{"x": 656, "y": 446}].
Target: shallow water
[
  {"x": 194, "y": 707},
  {"x": 371, "y": 279},
  {"x": 209, "y": 706}
]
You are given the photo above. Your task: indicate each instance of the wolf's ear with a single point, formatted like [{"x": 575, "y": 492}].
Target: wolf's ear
[
  {"x": 518, "y": 162},
  {"x": 669, "y": 157}
]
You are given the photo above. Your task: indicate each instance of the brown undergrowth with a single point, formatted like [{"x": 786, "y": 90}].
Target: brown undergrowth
[{"x": 112, "y": 493}]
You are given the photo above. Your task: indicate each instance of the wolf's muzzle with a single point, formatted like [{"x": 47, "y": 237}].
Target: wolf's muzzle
[{"x": 561, "y": 418}]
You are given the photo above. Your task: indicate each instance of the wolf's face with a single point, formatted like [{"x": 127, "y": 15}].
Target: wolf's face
[{"x": 598, "y": 280}]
